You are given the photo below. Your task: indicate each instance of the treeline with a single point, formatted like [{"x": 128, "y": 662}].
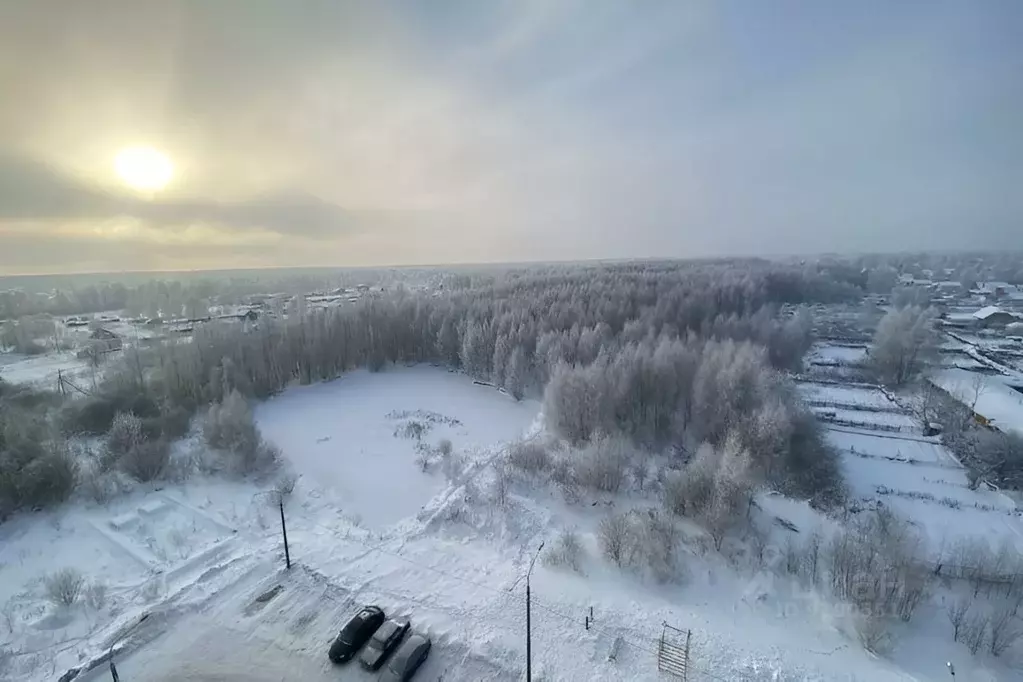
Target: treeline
[
  {"x": 690, "y": 353},
  {"x": 513, "y": 330}
]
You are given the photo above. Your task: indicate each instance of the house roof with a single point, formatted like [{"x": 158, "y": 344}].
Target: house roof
[{"x": 988, "y": 311}]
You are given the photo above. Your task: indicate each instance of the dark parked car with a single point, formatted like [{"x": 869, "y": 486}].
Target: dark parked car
[
  {"x": 408, "y": 658},
  {"x": 385, "y": 640},
  {"x": 355, "y": 633}
]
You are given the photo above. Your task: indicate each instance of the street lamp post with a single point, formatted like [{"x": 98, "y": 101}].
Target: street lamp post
[{"x": 529, "y": 645}]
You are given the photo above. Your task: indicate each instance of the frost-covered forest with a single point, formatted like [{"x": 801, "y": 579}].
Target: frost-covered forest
[{"x": 667, "y": 355}]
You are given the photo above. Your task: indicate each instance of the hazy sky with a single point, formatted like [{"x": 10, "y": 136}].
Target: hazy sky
[{"x": 349, "y": 133}]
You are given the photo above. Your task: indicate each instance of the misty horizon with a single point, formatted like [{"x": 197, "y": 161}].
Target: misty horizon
[{"x": 336, "y": 134}]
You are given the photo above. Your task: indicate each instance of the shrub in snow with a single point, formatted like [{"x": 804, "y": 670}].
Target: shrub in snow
[
  {"x": 36, "y": 470},
  {"x": 874, "y": 634},
  {"x": 452, "y": 466},
  {"x": 147, "y": 460},
  {"x": 658, "y": 546},
  {"x": 875, "y": 565},
  {"x": 956, "y": 610},
  {"x": 94, "y": 415},
  {"x": 64, "y": 586},
  {"x": 96, "y": 595},
  {"x": 230, "y": 427},
  {"x": 1005, "y": 630},
  {"x": 100, "y": 486},
  {"x": 423, "y": 460},
  {"x": 973, "y": 631},
  {"x": 502, "y": 481},
  {"x": 444, "y": 447},
  {"x": 564, "y": 477},
  {"x": 566, "y": 550},
  {"x": 412, "y": 429},
  {"x": 125, "y": 434},
  {"x": 285, "y": 486},
  {"x": 601, "y": 464},
  {"x": 619, "y": 538},
  {"x": 529, "y": 456}
]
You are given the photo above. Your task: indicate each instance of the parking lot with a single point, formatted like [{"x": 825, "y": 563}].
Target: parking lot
[{"x": 246, "y": 635}]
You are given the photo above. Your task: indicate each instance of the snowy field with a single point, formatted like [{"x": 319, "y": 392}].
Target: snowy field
[
  {"x": 923, "y": 483},
  {"x": 837, "y": 355},
  {"x": 348, "y": 437},
  {"x": 41, "y": 370},
  {"x": 882, "y": 420},
  {"x": 195, "y": 587}
]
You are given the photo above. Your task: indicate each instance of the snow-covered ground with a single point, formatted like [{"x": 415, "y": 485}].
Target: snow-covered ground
[
  {"x": 348, "y": 436},
  {"x": 41, "y": 370},
  {"x": 195, "y": 588},
  {"x": 840, "y": 394},
  {"x": 879, "y": 420},
  {"x": 990, "y": 396},
  {"x": 838, "y": 355},
  {"x": 924, "y": 483}
]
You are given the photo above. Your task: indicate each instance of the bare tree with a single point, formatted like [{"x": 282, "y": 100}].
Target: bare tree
[
  {"x": 956, "y": 611},
  {"x": 1005, "y": 630}
]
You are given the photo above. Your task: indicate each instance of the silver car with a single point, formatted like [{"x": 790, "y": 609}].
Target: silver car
[
  {"x": 385, "y": 640},
  {"x": 407, "y": 660}
]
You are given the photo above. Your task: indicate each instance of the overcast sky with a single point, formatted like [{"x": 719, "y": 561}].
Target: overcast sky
[{"x": 344, "y": 133}]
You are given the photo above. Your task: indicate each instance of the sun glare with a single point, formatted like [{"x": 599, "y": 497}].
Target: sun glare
[{"x": 144, "y": 168}]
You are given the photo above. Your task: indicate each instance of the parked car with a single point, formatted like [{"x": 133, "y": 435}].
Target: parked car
[
  {"x": 385, "y": 640},
  {"x": 407, "y": 659},
  {"x": 353, "y": 635}
]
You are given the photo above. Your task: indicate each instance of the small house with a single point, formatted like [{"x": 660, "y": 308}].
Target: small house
[{"x": 993, "y": 317}]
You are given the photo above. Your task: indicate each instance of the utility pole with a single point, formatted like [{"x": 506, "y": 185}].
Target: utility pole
[
  {"x": 284, "y": 531},
  {"x": 529, "y": 644}
]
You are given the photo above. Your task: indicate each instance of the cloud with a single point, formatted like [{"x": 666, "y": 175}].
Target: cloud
[
  {"x": 515, "y": 129},
  {"x": 33, "y": 192}
]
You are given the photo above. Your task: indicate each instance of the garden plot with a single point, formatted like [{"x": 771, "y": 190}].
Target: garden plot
[
  {"x": 890, "y": 447},
  {"x": 119, "y": 559},
  {"x": 838, "y": 355},
  {"x": 925, "y": 485},
  {"x": 845, "y": 396},
  {"x": 363, "y": 438},
  {"x": 884, "y": 421}
]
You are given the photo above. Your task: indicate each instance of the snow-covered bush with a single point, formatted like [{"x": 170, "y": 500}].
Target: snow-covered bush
[
  {"x": 658, "y": 546},
  {"x": 619, "y": 537},
  {"x": 37, "y": 469},
  {"x": 1005, "y": 630},
  {"x": 285, "y": 486},
  {"x": 874, "y": 633},
  {"x": 973, "y": 631},
  {"x": 230, "y": 427},
  {"x": 96, "y": 595},
  {"x": 563, "y": 476},
  {"x": 876, "y": 566},
  {"x": 423, "y": 460},
  {"x": 444, "y": 447},
  {"x": 146, "y": 460},
  {"x": 63, "y": 587},
  {"x": 529, "y": 456},
  {"x": 601, "y": 464},
  {"x": 125, "y": 434},
  {"x": 566, "y": 550},
  {"x": 501, "y": 483}
]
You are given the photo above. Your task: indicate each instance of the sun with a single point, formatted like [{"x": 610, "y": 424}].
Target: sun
[{"x": 144, "y": 168}]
